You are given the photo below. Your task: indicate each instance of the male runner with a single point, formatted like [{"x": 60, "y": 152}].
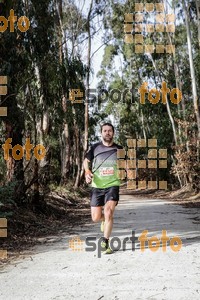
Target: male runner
[{"x": 105, "y": 181}]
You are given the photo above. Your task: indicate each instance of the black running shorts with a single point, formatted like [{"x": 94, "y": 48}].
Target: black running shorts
[{"x": 99, "y": 197}]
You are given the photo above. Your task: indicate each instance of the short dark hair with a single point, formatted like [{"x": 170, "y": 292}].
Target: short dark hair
[{"x": 107, "y": 124}]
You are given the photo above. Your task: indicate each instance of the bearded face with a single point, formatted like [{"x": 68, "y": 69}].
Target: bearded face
[{"x": 107, "y": 134}]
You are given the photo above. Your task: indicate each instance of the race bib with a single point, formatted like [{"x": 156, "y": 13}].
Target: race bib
[{"x": 108, "y": 171}]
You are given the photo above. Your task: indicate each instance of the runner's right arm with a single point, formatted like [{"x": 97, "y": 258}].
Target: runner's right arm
[
  {"x": 88, "y": 173},
  {"x": 86, "y": 163}
]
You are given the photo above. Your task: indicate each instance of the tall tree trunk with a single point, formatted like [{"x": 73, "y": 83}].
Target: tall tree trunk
[
  {"x": 198, "y": 19},
  {"x": 65, "y": 153},
  {"x": 192, "y": 71},
  {"x": 65, "y": 135},
  {"x": 85, "y": 146},
  {"x": 167, "y": 103},
  {"x": 77, "y": 150},
  {"x": 88, "y": 76},
  {"x": 178, "y": 85},
  {"x": 42, "y": 131}
]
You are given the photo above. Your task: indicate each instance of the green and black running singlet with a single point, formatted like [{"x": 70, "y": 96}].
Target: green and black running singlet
[{"x": 104, "y": 165}]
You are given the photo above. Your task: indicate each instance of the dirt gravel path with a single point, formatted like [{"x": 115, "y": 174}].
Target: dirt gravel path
[{"x": 54, "y": 271}]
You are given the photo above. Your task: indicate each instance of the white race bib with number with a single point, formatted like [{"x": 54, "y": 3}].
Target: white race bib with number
[{"x": 107, "y": 171}]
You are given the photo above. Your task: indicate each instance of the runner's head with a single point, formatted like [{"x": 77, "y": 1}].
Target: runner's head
[{"x": 107, "y": 132}]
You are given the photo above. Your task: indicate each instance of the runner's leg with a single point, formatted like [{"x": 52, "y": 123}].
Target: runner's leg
[
  {"x": 108, "y": 214},
  {"x": 97, "y": 202},
  {"x": 96, "y": 213}
]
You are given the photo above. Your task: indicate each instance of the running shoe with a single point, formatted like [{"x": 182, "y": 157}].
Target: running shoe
[
  {"x": 108, "y": 251},
  {"x": 104, "y": 244}
]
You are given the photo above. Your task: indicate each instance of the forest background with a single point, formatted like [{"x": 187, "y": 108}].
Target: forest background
[{"x": 56, "y": 55}]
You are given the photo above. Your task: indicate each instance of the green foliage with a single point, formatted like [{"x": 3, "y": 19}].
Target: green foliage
[
  {"x": 42, "y": 65},
  {"x": 2, "y": 170},
  {"x": 133, "y": 119},
  {"x": 109, "y": 53},
  {"x": 7, "y": 196}
]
